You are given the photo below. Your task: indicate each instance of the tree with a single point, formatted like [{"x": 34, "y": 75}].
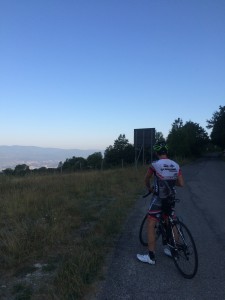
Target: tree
[
  {"x": 8, "y": 171},
  {"x": 60, "y": 166},
  {"x": 94, "y": 161},
  {"x": 217, "y": 124},
  {"x": 187, "y": 140},
  {"x": 74, "y": 163},
  {"x": 195, "y": 138},
  {"x": 121, "y": 152},
  {"x": 159, "y": 136},
  {"x": 41, "y": 170},
  {"x": 175, "y": 138},
  {"x": 21, "y": 169}
]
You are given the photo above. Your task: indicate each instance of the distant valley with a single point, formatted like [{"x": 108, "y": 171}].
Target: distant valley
[{"x": 36, "y": 157}]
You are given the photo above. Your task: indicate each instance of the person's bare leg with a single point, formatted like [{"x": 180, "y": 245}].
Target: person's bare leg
[
  {"x": 151, "y": 234},
  {"x": 150, "y": 257}
]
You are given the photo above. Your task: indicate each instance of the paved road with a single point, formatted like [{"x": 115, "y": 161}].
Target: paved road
[{"x": 203, "y": 209}]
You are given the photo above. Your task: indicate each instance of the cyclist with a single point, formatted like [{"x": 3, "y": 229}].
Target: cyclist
[{"x": 167, "y": 174}]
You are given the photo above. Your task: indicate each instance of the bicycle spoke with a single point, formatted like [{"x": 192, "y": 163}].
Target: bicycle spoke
[{"x": 185, "y": 255}]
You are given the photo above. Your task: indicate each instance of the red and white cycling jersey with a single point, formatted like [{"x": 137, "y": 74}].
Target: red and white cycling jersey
[{"x": 166, "y": 172}]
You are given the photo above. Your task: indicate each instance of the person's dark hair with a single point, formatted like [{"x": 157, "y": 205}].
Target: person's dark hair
[{"x": 160, "y": 147}]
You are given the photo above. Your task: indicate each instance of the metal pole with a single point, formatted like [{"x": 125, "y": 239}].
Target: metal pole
[
  {"x": 143, "y": 142},
  {"x": 151, "y": 145}
]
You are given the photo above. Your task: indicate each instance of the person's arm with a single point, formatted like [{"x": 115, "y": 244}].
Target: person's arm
[
  {"x": 180, "y": 180},
  {"x": 148, "y": 176}
]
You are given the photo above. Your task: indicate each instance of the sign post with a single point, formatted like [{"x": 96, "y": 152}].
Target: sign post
[{"x": 144, "y": 140}]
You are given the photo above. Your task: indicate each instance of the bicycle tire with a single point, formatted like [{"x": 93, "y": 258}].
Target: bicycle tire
[
  {"x": 143, "y": 231},
  {"x": 185, "y": 256}
]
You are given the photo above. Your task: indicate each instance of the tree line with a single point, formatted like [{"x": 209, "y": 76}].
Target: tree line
[{"x": 187, "y": 140}]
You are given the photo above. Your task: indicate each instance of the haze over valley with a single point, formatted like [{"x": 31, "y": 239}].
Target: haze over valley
[{"x": 36, "y": 157}]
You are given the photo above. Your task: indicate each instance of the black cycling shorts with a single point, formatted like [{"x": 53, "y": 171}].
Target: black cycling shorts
[{"x": 156, "y": 207}]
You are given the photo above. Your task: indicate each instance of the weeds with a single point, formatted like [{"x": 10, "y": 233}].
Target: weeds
[
  {"x": 68, "y": 221},
  {"x": 22, "y": 292}
]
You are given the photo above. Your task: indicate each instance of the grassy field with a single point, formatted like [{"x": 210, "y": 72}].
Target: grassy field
[{"x": 56, "y": 230}]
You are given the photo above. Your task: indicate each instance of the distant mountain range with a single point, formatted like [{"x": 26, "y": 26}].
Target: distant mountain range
[{"x": 36, "y": 157}]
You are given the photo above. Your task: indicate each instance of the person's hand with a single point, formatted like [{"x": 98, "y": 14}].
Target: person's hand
[{"x": 151, "y": 189}]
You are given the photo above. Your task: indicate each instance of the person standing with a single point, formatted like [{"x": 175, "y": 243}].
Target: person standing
[{"x": 167, "y": 175}]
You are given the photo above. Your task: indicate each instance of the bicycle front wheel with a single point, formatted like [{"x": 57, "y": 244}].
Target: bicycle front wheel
[
  {"x": 143, "y": 235},
  {"x": 185, "y": 254}
]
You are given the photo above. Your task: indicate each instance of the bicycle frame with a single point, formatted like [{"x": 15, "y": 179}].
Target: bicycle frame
[{"x": 169, "y": 223}]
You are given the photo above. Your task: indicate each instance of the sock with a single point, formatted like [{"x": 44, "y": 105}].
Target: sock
[{"x": 152, "y": 255}]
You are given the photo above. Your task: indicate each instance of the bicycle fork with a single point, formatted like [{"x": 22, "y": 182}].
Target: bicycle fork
[
  {"x": 178, "y": 241},
  {"x": 173, "y": 234}
]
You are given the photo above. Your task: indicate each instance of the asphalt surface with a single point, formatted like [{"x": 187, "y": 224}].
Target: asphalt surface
[{"x": 202, "y": 209}]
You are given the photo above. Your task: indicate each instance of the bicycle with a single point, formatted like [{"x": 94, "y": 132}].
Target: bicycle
[{"x": 177, "y": 237}]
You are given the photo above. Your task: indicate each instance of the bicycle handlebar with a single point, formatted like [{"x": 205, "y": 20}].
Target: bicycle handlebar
[{"x": 147, "y": 194}]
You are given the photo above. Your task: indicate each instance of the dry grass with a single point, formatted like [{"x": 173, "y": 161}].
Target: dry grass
[{"x": 64, "y": 222}]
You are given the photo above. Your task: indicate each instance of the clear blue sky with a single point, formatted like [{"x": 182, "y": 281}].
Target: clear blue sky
[{"x": 77, "y": 73}]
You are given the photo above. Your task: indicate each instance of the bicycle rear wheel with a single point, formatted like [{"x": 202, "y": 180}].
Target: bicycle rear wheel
[
  {"x": 185, "y": 254},
  {"x": 143, "y": 237}
]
